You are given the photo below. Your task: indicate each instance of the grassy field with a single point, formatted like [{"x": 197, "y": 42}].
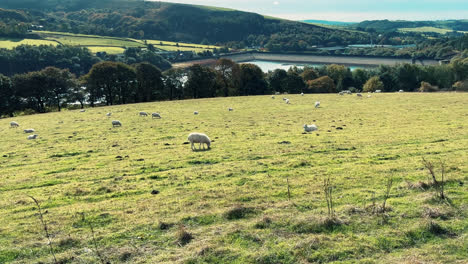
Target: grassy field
[
  {"x": 150, "y": 199},
  {"x": 111, "y": 45},
  {"x": 172, "y": 46},
  {"x": 11, "y": 43},
  {"x": 428, "y": 29}
]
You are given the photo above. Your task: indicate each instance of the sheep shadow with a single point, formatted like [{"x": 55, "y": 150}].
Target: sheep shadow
[{"x": 201, "y": 150}]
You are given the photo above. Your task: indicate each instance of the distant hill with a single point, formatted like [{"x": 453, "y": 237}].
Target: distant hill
[
  {"x": 388, "y": 25},
  {"x": 178, "y": 22},
  {"x": 331, "y": 23}
]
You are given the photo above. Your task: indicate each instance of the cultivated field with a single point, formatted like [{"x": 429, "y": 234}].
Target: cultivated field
[
  {"x": 429, "y": 30},
  {"x": 6, "y": 43},
  {"x": 146, "y": 194},
  {"x": 110, "y": 45}
]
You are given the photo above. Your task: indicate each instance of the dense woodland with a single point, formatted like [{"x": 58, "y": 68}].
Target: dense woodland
[
  {"x": 110, "y": 82},
  {"x": 78, "y": 60}
]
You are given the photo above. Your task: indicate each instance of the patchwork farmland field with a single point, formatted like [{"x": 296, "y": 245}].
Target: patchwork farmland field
[
  {"x": 111, "y": 45},
  {"x": 11, "y": 43},
  {"x": 150, "y": 199}
]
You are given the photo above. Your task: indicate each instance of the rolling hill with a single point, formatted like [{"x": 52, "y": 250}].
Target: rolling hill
[
  {"x": 388, "y": 25},
  {"x": 139, "y": 194},
  {"x": 175, "y": 22}
]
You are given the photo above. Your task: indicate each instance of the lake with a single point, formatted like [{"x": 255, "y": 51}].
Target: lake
[{"x": 273, "y": 65}]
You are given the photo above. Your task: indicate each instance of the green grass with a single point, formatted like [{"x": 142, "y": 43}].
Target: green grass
[
  {"x": 233, "y": 199},
  {"x": 111, "y": 45},
  {"x": 114, "y": 45},
  {"x": 108, "y": 50},
  {"x": 12, "y": 43},
  {"x": 429, "y": 30}
]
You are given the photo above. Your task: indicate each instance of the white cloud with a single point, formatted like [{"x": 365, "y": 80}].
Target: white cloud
[{"x": 276, "y": 3}]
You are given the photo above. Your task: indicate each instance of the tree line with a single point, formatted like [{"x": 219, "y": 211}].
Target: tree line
[
  {"x": 79, "y": 60},
  {"x": 110, "y": 83}
]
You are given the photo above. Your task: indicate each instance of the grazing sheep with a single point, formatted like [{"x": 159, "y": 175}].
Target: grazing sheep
[
  {"x": 109, "y": 114},
  {"x": 230, "y": 109},
  {"x": 82, "y": 110},
  {"x": 359, "y": 95},
  {"x": 378, "y": 91},
  {"x": 277, "y": 93},
  {"x": 400, "y": 91},
  {"x": 143, "y": 114},
  {"x": 195, "y": 113},
  {"x": 341, "y": 93},
  {"x": 32, "y": 136},
  {"x": 317, "y": 104},
  {"x": 156, "y": 115},
  {"x": 287, "y": 101},
  {"x": 199, "y": 138},
  {"x": 310, "y": 128},
  {"x": 116, "y": 123},
  {"x": 272, "y": 97},
  {"x": 29, "y": 130},
  {"x": 14, "y": 124},
  {"x": 284, "y": 98},
  {"x": 302, "y": 94},
  {"x": 369, "y": 96}
]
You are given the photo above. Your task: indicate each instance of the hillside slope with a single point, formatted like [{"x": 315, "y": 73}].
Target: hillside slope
[
  {"x": 388, "y": 25},
  {"x": 177, "y": 22},
  {"x": 140, "y": 186}
]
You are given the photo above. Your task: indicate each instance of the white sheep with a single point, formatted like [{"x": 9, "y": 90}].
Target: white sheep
[
  {"x": 287, "y": 101},
  {"x": 359, "y": 95},
  {"x": 272, "y": 97},
  {"x": 317, "y": 104},
  {"x": 341, "y": 93},
  {"x": 302, "y": 94},
  {"x": 29, "y": 130},
  {"x": 310, "y": 128},
  {"x": 116, "y": 123},
  {"x": 199, "y": 138},
  {"x": 14, "y": 124},
  {"x": 156, "y": 115},
  {"x": 230, "y": 109},
  {"x": 143, "y": 114},
  {"x": 82, "y": 110},
  {"x": 32, "y": 136},
  {"x": 195, "y": 113},
  {"x": 400, "y": 91},
  {"x": 369, "y": 96},
  {"x": 378, "y": 91},
  {"x": 109, "y": 114},
  {"x": 284, "y": 98},
  {"x": 277, "y": 93}
]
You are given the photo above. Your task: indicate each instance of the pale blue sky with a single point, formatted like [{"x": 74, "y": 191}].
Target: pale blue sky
[{"x": 347, "y": 10}]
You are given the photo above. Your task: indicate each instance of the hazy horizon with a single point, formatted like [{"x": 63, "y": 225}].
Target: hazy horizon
[{"x": 346, "y": 11}]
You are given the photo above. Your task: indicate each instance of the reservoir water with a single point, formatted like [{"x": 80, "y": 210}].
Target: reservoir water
[{"x": 273, "y": 65}]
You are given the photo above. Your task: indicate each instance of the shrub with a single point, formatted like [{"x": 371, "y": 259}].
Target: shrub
[
  {"x": 373, "y": 84},
  {"x": 427, "y": 87},
  {"x": 323, "y": 84},
  {"x": 461, "y": 86}
]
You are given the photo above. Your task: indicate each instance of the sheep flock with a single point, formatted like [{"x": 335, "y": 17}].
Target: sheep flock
[{"x": 193, "y": 138}]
